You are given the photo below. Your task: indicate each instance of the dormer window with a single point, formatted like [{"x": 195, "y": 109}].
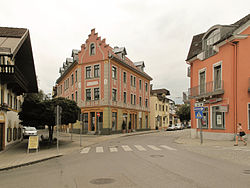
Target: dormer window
[
  {"x": 209, "y": 41},
  {"x": 92, "y": 49}
]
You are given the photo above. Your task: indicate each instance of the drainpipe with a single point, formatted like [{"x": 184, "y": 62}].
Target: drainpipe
[{"x": 234, "y": 44}]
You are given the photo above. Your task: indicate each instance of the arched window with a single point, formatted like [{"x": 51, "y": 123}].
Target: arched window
[{"x": 92, "y": 49}]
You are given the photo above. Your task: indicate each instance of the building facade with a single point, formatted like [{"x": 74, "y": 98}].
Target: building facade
[
  {"x": 159, "y": 109},
  {"x": 107, "y": 86},
  {"x": 17, "y": 76},
  {"x": 219, "y": 78}
]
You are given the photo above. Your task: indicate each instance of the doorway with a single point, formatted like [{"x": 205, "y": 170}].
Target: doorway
[
  {"x": 92, "y": 121},
  {"x": 1, "y": 136}
]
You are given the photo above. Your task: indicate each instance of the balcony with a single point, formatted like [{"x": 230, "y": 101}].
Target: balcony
[
  {"x": 249, "y": 84},
  {"x": 206, "y": 90},
  {"x": 14, "y": 78}
]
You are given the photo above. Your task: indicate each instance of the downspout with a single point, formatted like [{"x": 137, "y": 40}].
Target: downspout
[{"x": 234, "y": 44}]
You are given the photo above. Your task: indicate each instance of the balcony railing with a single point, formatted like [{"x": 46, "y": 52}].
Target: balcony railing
[
  {"x": 10, "y": 74},
  {"x": 208, "y": 89}
]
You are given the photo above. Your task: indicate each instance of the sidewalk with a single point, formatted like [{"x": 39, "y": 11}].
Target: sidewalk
[
  {"x": 17, "y": 156},
  {"x": 220, "y": 149}
]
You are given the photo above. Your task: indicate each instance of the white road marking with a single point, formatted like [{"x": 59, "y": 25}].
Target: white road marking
[
  {"x": 113, "y": 149},
  {"x": 167, "y": 147},
  {"x": 85, "y": 150},
  {"x": 99, "y": 149},
  {"x": 140, "y": 148},
  {"x": 127, "y": 148},
  {"x": 154, "y": 147}
]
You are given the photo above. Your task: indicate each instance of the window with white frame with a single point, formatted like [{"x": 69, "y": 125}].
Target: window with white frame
[
  {"x": 96, "y": 94},
  {"x": 202, "y": 75},
  {"x": 88, "y": 72},
  {"x": 114, "y": 72},
  {"x": 218, "y": 118},
  {"x": 96, "y": 71},
  {"x": 88, "y": 94},
  {"x": 140, "y": 84},
  {"x": 217, "y": 77},
  {"x": 124, "y": 97},
  {"x": 114, "y": 94}
]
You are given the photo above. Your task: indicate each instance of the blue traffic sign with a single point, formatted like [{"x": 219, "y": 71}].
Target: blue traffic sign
[
  {"x": 198, "y": 115},
  {"x": 198, "y": 109}
]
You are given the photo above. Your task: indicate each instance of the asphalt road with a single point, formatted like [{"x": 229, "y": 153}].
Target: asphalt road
[{"x": 152, "y": 160}]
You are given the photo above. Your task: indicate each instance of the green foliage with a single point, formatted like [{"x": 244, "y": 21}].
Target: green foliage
[
  {"x": 184, "y": 112},
  {"x": 38, "y": 110}
]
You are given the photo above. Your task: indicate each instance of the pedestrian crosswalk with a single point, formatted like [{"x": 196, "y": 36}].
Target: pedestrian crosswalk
[{"x": 126, "y": 148}]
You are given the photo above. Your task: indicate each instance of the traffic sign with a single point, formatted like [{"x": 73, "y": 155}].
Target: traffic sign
[
  {"x": 198, "y": 108},
  {"x": 98, "y": 114},
  {"x": 198, "y": 115}
]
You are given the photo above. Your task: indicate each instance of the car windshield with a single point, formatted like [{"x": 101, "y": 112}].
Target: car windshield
[{"x": 30, "y": 129}]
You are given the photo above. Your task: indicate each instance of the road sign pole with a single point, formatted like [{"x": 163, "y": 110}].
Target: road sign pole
[
  {"x": 201, "y": 133},
  {"x": 81, "y": 130}
]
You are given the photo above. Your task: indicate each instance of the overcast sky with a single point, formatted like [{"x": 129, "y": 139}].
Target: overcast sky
[{"x": 158, "y": 32}]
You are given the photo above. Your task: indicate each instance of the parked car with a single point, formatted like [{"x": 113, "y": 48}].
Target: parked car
[
  {"x": 29, "y": 131},
  {"x": 179, "y": 126},
  {"x": 171, "y": 128}
]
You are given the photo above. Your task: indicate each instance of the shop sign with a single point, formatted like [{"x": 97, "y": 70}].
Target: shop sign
[
  {"x": 2, "y": 117},
  {"x": 33, "y": 143},
  {"x": 223, "y": 108}
]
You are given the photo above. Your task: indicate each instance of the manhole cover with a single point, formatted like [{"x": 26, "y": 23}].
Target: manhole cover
[
  {"x": 156, "y": 156},
  {"x": 101, "y": 181},
  {"x": 246, "y": 172}
]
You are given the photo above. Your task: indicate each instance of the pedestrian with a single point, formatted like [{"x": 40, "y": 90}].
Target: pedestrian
[{"x": 240, "y": 133}]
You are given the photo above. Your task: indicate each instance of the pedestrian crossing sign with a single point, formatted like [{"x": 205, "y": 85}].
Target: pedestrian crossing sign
[{"x": 198, "y": 115}]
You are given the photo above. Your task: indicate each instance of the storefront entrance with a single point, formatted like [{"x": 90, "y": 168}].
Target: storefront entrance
[{"x": 1, "y": 136}]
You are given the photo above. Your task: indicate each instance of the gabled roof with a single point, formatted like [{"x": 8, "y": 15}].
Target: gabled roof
[
  {"x": 15, "y": 43},
  {"x": 196, "y": 44},
  {"x": 160, "y": 91}
]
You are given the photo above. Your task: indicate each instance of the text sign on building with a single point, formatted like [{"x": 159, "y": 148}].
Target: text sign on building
[{"x": 93, "y": 83}]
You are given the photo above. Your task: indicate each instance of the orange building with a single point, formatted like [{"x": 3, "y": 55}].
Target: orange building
[
  {"x": 220, "y": 79},
  {"x": 107, "y": 86}
]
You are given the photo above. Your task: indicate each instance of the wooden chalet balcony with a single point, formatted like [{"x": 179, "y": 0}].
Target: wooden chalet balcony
[
  {"x": 208, "y": 89},
  {"x": 14, "y": 78}
]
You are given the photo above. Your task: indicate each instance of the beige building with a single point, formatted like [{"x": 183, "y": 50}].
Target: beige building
[{"x": 159, "y": 109}]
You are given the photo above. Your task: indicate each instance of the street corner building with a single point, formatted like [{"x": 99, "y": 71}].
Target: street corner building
[
  {"x": 219, "y": 74},
  {"x": 110, "y": 89},
  {"x": 17, "y": 76}
]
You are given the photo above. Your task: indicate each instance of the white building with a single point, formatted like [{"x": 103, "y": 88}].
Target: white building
[{"x": 17, "y": 76}]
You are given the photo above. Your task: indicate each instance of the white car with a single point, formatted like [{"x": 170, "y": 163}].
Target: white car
[
  {"x": 171, "y": 128},
  {"x": 29, "y": 131}
]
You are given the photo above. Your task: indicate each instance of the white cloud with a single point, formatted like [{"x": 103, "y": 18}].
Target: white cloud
[{"x": 158, "y": 32}]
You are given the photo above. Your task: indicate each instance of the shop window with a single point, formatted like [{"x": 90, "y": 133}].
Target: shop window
[
  {"x": 218, "y": 118},
  {"x": 204, "y": 119},
  {"x": 19, "y": 133},
  {"x": 114, "y": 121},
  {"x": 9, "y": 134},
  {"x": 146, "y": 121},
  {"x": 14, "y": 133}
]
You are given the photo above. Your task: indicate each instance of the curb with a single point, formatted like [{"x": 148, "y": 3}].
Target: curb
[
  {"x": 30, "y": 163},
  {"x": 138, "y": 133}
]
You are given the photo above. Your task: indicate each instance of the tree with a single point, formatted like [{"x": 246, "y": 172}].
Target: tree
[
  {"x": 70, "y": 113},
  {"x": 38, "y": 110},
  {"x": 183, "y": 112}
]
